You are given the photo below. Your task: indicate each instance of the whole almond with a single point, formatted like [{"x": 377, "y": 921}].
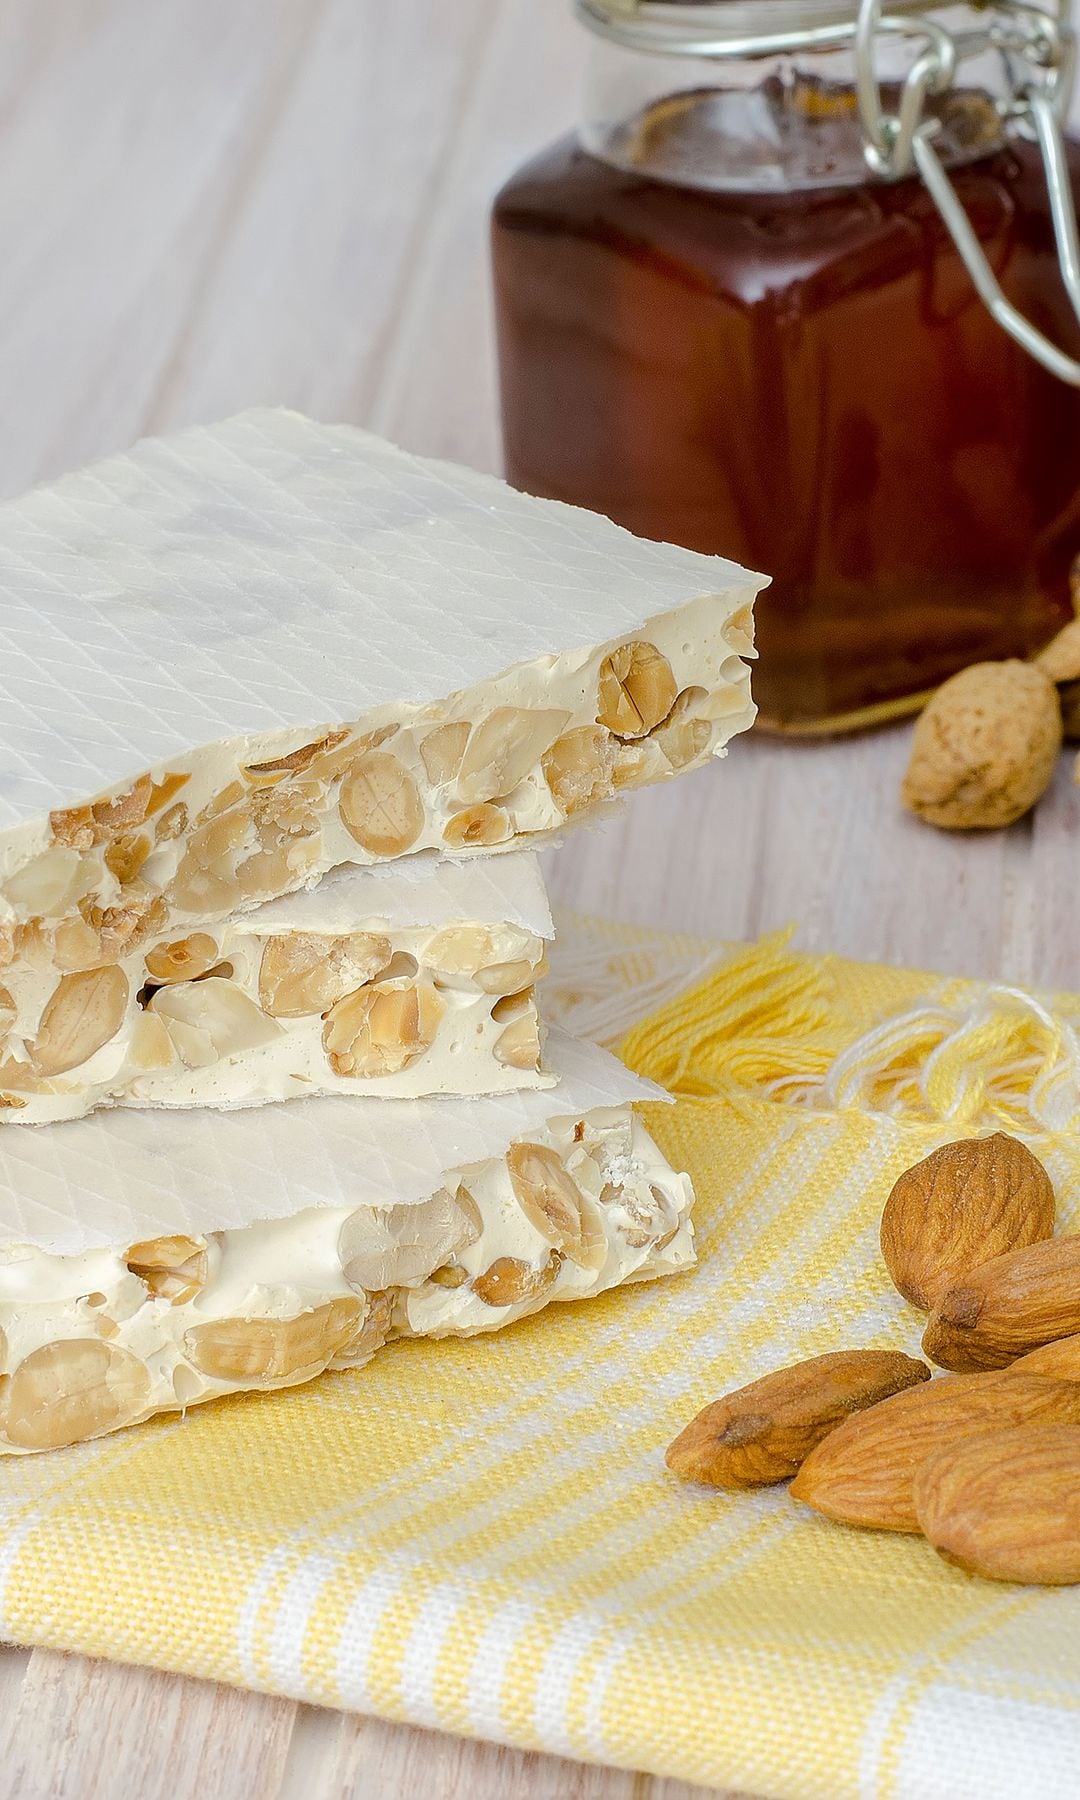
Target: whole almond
[
  {"x": 1060, "y": 1360},
  {"x": 1007, "y": 1307},
  {"x": 761, "y": 1433},
  {"x": 964, "y": 1204},
  {"x": 863, "y": 1473},
  {"x": 1006, "y": 1505},
  {"x": 1061, "y": 656},
  {"x": 984, "y": 748},
  {"x": 1069, "y": 696}
]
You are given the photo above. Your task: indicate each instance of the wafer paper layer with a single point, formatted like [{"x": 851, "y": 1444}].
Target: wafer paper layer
[
  {"x": 416, "y": 890},
  {"x": 121, "y": 1176}
]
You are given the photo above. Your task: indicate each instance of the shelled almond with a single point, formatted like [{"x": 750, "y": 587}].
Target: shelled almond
[
  {"x": 984, "y": 1463},
  {"x": 762, "y": 1433},
  {"x": 1007, "y": 1307},
  {"x": 962, "y": 1205},
  {"x": 864, "y": 1472},
  {"x": 1006, "y": 1506}
]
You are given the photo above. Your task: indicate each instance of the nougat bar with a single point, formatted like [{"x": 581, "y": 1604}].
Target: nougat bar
[
  {"x": 338, "y": 1226},
  {"x": 237, "y": 658},
  {"x": 416, "y": 978}
]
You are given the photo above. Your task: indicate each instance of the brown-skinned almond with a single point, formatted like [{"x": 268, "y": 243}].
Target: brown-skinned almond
[
  {"x": 863, "y": 1473},
  {"x": 1008, "y": 1306},
  {"x": 1060, "y": 1360},
  {"x": 761, "y": 1433},
  {"x": 1006, "y": 1505},
  {"x": 964, "y": 1204}
]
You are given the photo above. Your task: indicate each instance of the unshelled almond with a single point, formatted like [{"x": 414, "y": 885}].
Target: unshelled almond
[
  {"x": 69, "y": 1390},
  {"x": 763, "y": 1432},
  {"x": 1061, "y": 656},
  {"x": 863, "y": 1473},
  {"x": 1006, "y": 1505},
  {"x": 380, "y": 805},
  {"x": 482, "y": 824},
  {"x": 173, "y": 1268},
  {"x": 958, "y": 1208},
  {"x": 279, "y": 767},
  {"x": 252, "y": 1351},
  {"x": 1008, "y": 1306},
  {"x": 441, "y": 751},
  {"x": 984, "y": 748},
  {"x": 503, "y": 749}
]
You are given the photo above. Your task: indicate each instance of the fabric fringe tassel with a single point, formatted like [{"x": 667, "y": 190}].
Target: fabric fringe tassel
[
  {"x": 759, "y": 1019},
  {"x": 768, "y": 1021},
  {"x": 1002, "y": 1059}
]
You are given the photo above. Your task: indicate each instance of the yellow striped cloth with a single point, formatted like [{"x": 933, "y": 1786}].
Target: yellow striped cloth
[{"x": 482, "y": 1536}]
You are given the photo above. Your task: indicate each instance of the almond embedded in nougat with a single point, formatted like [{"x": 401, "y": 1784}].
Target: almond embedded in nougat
[
  {"x": 964, "y": 1204},
  {"x": 1008, "y": 1306},
  {"x": 863, "y": 1473},
  {"x": 380, "y": 804},
  {"x": 984, "y": 748},
  {"x": 762, "y": 1433},
  {"x": 83, "y": 1012},
  {"x": 554, "y": 1205},
  {"x": 1006, "y": 1505},
  {"x": 253, "y": 1351},
  {"x": 509, "y": 1280},
  {"x": 636, "y": 689}
]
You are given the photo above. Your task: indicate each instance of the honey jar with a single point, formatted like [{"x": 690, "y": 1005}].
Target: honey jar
[{"x": 803, "y": 290}]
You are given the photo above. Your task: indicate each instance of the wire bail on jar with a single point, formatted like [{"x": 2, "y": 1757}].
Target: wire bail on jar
[{"x": 1037, "y": 51}]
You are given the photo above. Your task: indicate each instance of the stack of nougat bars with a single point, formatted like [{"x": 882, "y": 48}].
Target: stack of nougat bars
[{"x": 287, "y": 712}]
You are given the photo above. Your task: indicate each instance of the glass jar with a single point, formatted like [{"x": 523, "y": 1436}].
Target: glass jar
[{"x": 731, "y": 314}]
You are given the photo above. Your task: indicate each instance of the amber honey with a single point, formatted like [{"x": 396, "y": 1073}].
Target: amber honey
[{"x": 805, "y": 381}]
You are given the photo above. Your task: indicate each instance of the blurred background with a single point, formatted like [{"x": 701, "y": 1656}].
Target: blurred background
[{"x": 206, "y": 205}]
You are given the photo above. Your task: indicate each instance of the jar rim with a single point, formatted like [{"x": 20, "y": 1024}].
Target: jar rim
[{"x": 701, "y": 27}]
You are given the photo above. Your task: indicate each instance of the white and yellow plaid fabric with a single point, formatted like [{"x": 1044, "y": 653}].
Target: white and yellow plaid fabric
[{"x": 482, "y": 1536}]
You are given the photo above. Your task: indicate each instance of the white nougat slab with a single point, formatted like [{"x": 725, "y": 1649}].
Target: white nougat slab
[
  {"x": 119, "y": 1177},
  {"x": 266, "y": 574},
  {"x": 223, "y": 1041}
]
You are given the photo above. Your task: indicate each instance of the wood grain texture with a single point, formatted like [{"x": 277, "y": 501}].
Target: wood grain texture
[
  {"x": 204, "y": 207},
  {"x": 82, "y": 1730}
]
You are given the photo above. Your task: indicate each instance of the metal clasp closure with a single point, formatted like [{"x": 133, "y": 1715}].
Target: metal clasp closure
[
  {"x": 1037, "y": 49},
  {"x": 1039, "y": 53}
]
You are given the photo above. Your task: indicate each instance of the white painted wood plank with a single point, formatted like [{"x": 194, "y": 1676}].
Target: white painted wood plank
[
  {"x": 119, "y": 169},
  {"x": 14, "y": 1663},
  {"x": 337, "y": 1757},
  {"x": 86, "y": 1730},
  {"x": 1043, "y": 903},
  {"x": 318, "y": 259},
  {"x": 437, "y": 391}
]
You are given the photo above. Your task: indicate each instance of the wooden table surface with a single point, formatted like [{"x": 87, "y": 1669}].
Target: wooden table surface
[{"x": 207, "y": 205}]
